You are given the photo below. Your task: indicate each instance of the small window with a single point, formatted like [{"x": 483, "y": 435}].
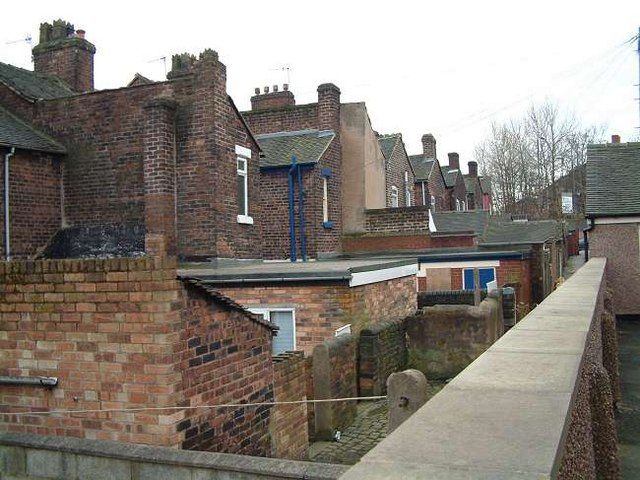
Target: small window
[
  {"x": 486, "y": 275},
  {"x": 464, "y": 206},
  {"x": 433, "y": 203},
  {"x": 325, "y": 200},
  {"x": 344, "y": 330},
  {"x": 394, "y": 196},
  {"x": 243, "y": 155},
  {"x": 457, "y": 205},
  {"x": 285, "y": 320}
]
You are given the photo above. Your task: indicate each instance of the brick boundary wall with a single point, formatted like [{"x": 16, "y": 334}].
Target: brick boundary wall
[
  {"x": 401, "y": 219},
  {"x": 378, "y": 242},
  {"x": 289, "y": 423},
  {"x": 382, "y": 350}
]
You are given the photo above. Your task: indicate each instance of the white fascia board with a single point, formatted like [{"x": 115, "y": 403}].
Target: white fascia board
[
  {"x": 374, "y": 276},
  {"x": 245, "y": 152},
  {"x": 615, "y": 220},
  {"x": 466, "y": 264},
  {"x": 432, "y": 223}
]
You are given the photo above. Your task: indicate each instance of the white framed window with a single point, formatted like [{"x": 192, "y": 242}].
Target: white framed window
[
  {"x": 243, "y": 155},
  {"x": 433, "y": 203},
  {"x": 394, "y": 196},
  {"x": 457, "y": 205},
  {"x": 325, "y": 200},
  {"x": 407, "y": 190},
  {"x": 343, "y": 330},
  {"x": 464, "y": 206},
  {"x": 285, "y": 320}
]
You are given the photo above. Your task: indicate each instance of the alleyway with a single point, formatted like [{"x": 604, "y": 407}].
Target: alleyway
[{"x": 629, "y": 408}]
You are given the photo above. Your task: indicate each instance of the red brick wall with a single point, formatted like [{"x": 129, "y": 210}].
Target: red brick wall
[
  {"x": 35, "y": 189},
  {"x": 122, "y": 333},
  {"x": 397, "y": 165},
  {"x": 16, "y": 104},
  {"x": 225, "y": 358},
  {"x": 71, "y": 64},
  {"x": 434, "y": 186},
  {"x": 573, "y": 243},
  {"x": 397, "y": 220},
  {"x": 419, "y": 241},
  {"x": 320, "y": 309},
  {"x": 289, "y": 427},
  {"x": 283, "y": 119}
]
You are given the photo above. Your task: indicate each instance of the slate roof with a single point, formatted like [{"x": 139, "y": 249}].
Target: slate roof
[
  {"x": 139, "y": 79},
  {"x": 449, "y": 176},
  {"x": 470, "y": 183},
  {"x": 307, "y": 145},
  {"x": 518, "y": 232},
  {"x": 422, "y": 166},
  {"x": 613, "y": 179},
  {"x": 485, "y": 184},
  {"x": 388, "y": 143},
  {"x": 454, "y": 222},
  {"x": 32, "y": 85},
  {"x": 15, "y": 132}
]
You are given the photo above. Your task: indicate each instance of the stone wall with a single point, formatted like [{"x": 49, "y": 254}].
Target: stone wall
[
  {"x": 444, "y": 339},
  {"x": 448, "y": 297},
  {"x": 35, "y": 194},
  {"x": 382, "y": 350},
  {"x": 335, "y": 376},
  {"x": 35, "y": 457},
  {"x": 289, "y": 426}
]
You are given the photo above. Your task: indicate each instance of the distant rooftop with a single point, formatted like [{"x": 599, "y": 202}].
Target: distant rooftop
[
  {"x": 422, "y": 166},
  {"x": 15, "y": 132}
]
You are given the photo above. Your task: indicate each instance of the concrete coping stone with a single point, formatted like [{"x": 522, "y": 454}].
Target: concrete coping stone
[{"x": 268, "y": 467}]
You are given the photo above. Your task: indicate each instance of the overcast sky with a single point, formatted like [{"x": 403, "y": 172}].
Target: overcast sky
[{"x": 449, "y": 68}]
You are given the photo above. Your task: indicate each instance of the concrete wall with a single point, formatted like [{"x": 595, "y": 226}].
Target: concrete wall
[
  {"x": 363, "y": 172},
  {"x": 444, "y": 339},
  {"x": 34, "y": 457},
  {"x": 620, "y": 244},
  {"x": 537, "y": 404}
]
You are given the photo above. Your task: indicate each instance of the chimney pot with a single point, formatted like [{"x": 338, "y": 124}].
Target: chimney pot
[
  {"x": 275, "y": 88},
  {"x": 615, "y": 138},
  {"x": 266, "y": 89},
  {"x": 285, "y": 87},
  {"x": 257, "y": 90}
]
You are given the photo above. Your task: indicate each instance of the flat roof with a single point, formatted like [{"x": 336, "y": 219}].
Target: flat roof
[
  {"x": 446, "y": 254},
  {"x": 351, "y": 271}
]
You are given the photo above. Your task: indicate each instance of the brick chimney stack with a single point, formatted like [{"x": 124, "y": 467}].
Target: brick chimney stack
[
  {"x": 329, "y": 107},
  {"x": 615, "y": 138},
  {"x": 275, "y": 99},
  {"x": 454, "y": 161},
  {"x": 66, "y": 54},
  {"x": 473, "y": 168},
  {"x": 429, "y": 145}
]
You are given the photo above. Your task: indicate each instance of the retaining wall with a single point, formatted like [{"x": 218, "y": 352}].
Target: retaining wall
[{"x": 382, "y": 350}]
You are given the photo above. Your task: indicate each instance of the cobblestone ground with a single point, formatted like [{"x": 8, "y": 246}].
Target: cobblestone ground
[{"x": 365, "y": 433}]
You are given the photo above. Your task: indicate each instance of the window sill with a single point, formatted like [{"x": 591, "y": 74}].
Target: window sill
[
  {"x": 245, "y": 219},
  {"x": 327, "y": 225}
]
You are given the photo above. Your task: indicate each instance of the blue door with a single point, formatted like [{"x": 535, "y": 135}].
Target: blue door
[{"x": 486, "y": 275}]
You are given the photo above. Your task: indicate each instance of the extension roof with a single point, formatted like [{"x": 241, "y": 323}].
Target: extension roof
[
  {"x": 31, "y": 85},
  {"x": 422, "y": 166},
  {"x": 613, "y": 180},
  {"x": 454, "y": 222},
  {"x": 521, "y": 232},
  {"x": 17, "y": 133},
  {"x": 307, "y": 146}
]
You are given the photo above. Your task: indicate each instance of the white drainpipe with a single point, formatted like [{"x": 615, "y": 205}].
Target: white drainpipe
[{"x": 7, "y": 233}]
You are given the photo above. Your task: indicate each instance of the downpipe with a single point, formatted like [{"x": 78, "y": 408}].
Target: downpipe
[
  {"x": 585, "y": 232},
  {"x": 7, "y": 232}
]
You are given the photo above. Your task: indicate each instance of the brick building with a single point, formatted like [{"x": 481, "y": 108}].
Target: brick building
[
  {"x": 172, "y": 157},
  {"x": 430, "y": 189},
  {"x": 400, "y": 178},
  {"x": 612, "y": 207},
  {"x": 475, "y": 200},
  {"x": 454, "y": 181}
]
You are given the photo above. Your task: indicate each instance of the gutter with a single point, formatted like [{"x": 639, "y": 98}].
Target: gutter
[
  {"x": 328, "y": 278},
  {"x": 7, "y": 226}
]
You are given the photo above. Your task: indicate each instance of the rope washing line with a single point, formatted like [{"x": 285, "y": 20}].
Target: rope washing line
[{"x": 222, "y": 405}]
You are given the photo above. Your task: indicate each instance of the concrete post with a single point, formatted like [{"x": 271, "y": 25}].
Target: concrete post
[{"x": 406, "y": 393}]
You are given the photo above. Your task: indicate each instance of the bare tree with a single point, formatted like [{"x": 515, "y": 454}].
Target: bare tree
[{"x": 526, "y": 157}]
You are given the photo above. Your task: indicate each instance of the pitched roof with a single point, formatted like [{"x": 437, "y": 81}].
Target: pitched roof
[
  {"x": 32, "y": 85},
  {"x": 388, "y": 143},
  {"x": 521, "y": 232},
  {"x": 449, "y": 176},
  {"x": 139, "y": 79},
  {"x": 470, "y": 182},
  {"x": 307, "y": 146},
  {"x": 613, "y": 179},
  {"x": 485, "y": 184},
  {"x": 422, "y": 166},
  {"x": 454, "y": 222},
  {"x": 15, "y": 132}
]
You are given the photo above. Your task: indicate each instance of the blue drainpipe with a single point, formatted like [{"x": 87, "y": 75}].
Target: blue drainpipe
[{"x": 292, "y": 215}]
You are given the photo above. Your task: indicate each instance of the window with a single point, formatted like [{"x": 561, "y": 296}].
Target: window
[
  {"x": 433, "y": 203},
  {"x": 457, "y": 205},
  {"x": 285, "y": 319},
  {"x": 407, "y": 190},
  {"x": 242, "y": 159},
  {"x": 394, "y": 196},
  {"x": 486, "y": 275},
  {"x": 343, "y": 330},
  {"x": 464, "y": 206},
  {"x": 325, "y": 201}
]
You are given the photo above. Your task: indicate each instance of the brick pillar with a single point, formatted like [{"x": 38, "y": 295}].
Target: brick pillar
[
  {"x": 159, "y": 177},
  {"x": 429, "y": 145}
]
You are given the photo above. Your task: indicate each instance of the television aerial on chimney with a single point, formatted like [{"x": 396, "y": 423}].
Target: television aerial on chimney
[
  {"x": 164, "y": 62},
  {"x": 26, "y": 39},
  {"x": 285, "y": 69}
]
